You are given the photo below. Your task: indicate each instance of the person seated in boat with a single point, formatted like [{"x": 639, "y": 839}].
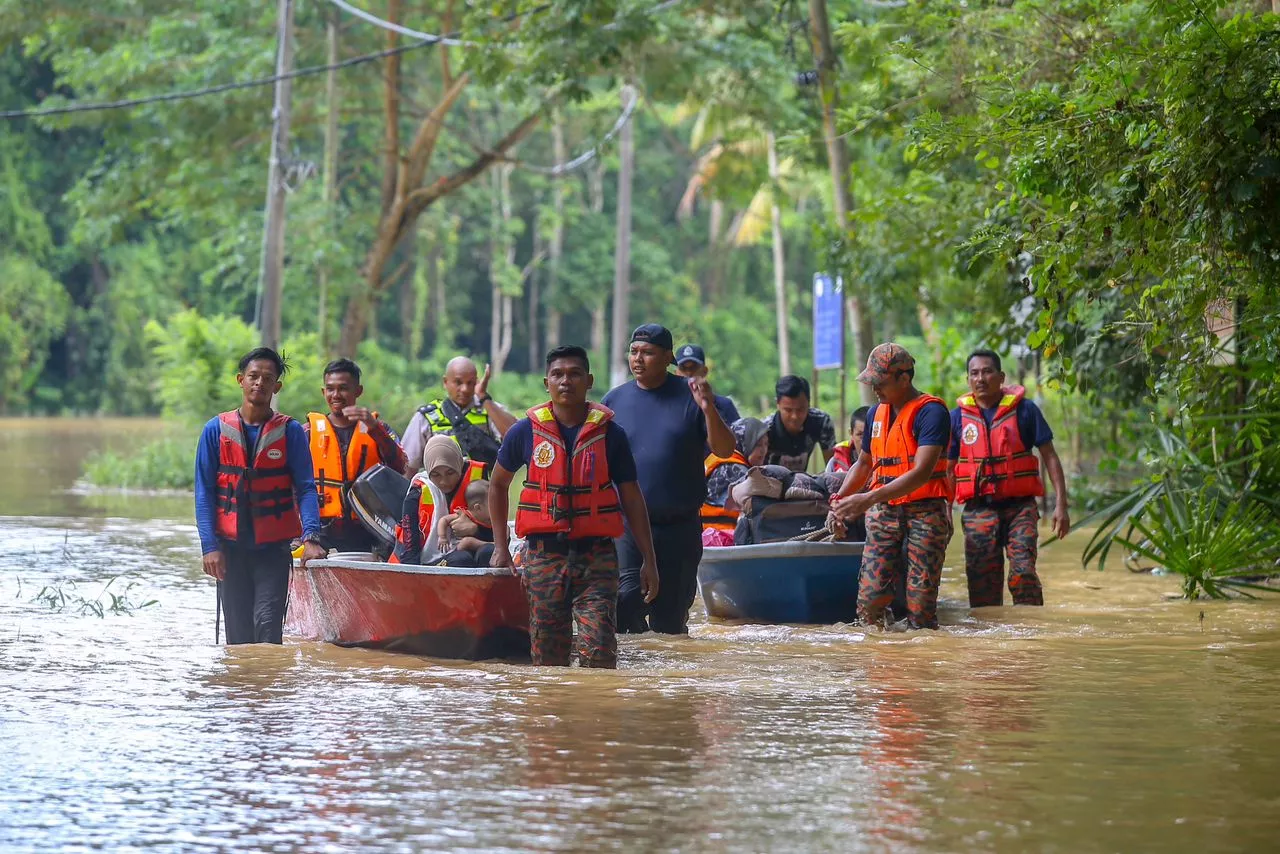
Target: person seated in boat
[
  {"x": 468, "y": 532},
  {"x": 719, "y": 513},
  {"x": 441, "y": 483},
  {"x": 846, "y": 453},
  {"x": 467, "y": 412},
  {"x": 581, "y": 483},
  {"x": 796, "y": 428},
  {"x": 345, "y": 442}
]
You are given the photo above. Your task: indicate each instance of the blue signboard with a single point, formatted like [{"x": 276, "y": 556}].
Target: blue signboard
[{"x": 828, "y": 322}]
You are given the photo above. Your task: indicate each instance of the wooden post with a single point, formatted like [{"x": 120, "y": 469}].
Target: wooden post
[
  {"x": 622, "y": 253},
  {"x": 271, "y": 280}
]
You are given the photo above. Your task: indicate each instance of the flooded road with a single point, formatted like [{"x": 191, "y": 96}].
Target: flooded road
[{"x": 1111, "y": 720}]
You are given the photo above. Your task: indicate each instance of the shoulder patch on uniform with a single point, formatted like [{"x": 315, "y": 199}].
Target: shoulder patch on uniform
[
  {"x": 970, "y": 434},
  {"x": 544, "y": 455}
]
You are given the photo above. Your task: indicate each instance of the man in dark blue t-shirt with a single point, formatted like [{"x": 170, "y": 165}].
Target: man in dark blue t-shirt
[
  {"x": 907, "y": 503},
  {"x": 569, "y": 518},
  {"x": 997, "y": 480},
  {"x": 670, "y": 421}
]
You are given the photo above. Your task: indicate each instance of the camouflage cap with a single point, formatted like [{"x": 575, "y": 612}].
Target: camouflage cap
[{"x": 885, "y": 361}]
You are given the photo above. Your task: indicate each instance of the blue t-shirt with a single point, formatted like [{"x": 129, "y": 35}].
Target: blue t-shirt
[
  {"x": 727, "y": 410},
  {"x": 932, "y": 426},
  {"x": 1032, "y": 427},
  {"x": 668, "y": 433},
  {"x": 297, "y": 456},
  {"x": 517, "y": 448}
]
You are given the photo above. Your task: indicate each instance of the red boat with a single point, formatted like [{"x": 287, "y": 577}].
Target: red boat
[{"x": 442, "y": 612}]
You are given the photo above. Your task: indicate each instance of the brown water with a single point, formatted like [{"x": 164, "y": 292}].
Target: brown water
[{"x": 1110, "y": 720}]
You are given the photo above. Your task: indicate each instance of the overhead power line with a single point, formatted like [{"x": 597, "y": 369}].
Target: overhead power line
[
  {"x": 630, "y": 99},
  {"x": 430, "y": 38},
  {"x": 208, "y": 90}
]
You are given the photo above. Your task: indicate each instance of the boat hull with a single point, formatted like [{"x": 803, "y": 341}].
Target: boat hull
[
  {"x": 791, "y": 582},
  {"x": 442, "y": 612}
]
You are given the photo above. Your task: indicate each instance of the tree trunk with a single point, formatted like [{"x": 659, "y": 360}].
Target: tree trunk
[
  {"x": 534, "y": 297},
  {"x": 412, "y": 198},
  {"x": 595, "y": 192},
  {"x": 272, "y": 275},
  {"x": 622, "y": 255},
  {"x": 779, "y": 264},
  {"x": 838, "y": 161},
  {"x": 715, "y": 227},
  {"x": 503, "y": 246},
  {"x": 391, "y": 112},
  {"x": 330, "y": 190},
  {"x": 556, "y": 249}
]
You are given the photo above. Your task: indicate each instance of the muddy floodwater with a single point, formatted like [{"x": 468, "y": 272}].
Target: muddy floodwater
[{"x": 1112, "y": 719}]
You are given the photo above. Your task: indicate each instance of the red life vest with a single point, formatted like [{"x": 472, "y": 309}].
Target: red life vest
[
  {"x": 994, "y": 462},
  {"x": 262, "y": 486},
  {"x": 894, "y": 447},
  {"x": 843, "y": 457},
  {"x": 718, "y": 517},
  {"x": 569, "y": 493}
]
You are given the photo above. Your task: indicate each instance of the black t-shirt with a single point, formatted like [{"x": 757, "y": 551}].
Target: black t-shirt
[
  {"x": 792, "y": 450},
  {"x": 668, "y": 433}
]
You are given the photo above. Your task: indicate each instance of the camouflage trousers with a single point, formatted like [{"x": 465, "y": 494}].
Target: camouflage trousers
[
  {"x": 572, "y": 582},
  {"x": 905, "y": 539},
  {"x": 989, "y": 531}
]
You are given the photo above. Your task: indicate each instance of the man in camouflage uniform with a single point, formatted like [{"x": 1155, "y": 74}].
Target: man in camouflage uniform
[
  {"x": 580, "y": 483},
  {"x": 908, "y": 506},
  {"x": 997, "y": 477}
]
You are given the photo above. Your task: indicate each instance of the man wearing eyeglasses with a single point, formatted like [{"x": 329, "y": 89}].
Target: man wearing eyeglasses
[{"x": 908, "y": 500}]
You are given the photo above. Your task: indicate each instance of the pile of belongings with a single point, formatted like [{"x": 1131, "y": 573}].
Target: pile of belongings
[{"x": 777, "y": 504}]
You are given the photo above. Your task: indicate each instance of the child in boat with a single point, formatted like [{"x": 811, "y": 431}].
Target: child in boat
[{"x": 472, "y": 549}]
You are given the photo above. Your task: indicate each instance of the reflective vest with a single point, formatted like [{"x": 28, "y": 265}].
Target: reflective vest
[
  {"x": 994, "y": 463},
  {"x": 843, "y": 457},
  {"x": 569, "y": 493},
  {"x": 335, "y": 473},
  {"x": 893, "y": 450},
  {"x": 433, "y": 412},
  {"x": 427, "y": 506},
  {"x": 718, "y": 517},
  {"x": 256, "y": 480}
]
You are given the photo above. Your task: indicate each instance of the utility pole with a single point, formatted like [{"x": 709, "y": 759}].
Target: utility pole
[
  {"x": 330, "y": 171},
  {"x": 838, "y": 161},
  {"x": 779, "y": 260},
  {"x": 622, "y": 252},
  {"x": 271, "y": 280}
]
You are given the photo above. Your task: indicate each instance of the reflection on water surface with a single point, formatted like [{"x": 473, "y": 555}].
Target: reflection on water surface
[{"x": 1112, "y": 719}]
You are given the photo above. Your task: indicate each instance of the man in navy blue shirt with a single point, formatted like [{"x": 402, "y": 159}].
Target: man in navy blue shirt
[
  {"x": 253, "y": 482},
  {"x": 571, "y": 510},
  {"x": 670, "y": 421},
  {"x": 691, "y": 361},
  {"x": 994, "y": 431}
]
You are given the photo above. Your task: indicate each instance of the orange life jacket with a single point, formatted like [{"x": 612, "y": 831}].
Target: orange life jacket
[
  {"x": 718, "y": 517},
  {"x": 258, "y": 478},
  {"x": 843, "y": 457},
  {"x": 335, "y": 473},
  {"x": 567, "y": 493},
  {"x": 427, "y": 506},
  {"x": 894, "y": 447},
  {"x": 994, "y": 462}
]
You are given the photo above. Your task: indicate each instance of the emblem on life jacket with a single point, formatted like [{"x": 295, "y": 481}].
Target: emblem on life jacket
[
  {"x": 970, "y": 434},
  {"x": 875, "y": 430},
  {"x": 275, "y": 454},
  {"x": 544, "y": 455}
]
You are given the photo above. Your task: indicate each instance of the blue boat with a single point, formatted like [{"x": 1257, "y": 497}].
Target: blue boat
[{"x": 791, "y": 582}]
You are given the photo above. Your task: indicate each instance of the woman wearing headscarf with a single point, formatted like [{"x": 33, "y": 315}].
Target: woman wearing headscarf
[
  {"x": 441, "y": 483},
  {"x": 751, "y": 445}
]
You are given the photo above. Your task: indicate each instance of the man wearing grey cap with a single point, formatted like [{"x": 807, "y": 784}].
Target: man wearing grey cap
[
  {"x": 669, "y": 421},
  {"x": 691, "y": 361}
]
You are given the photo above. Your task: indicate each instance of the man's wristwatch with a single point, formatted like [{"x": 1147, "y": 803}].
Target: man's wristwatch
[
  {"x": 484, "y": 398},
  {"x": 312, "y": 538}
]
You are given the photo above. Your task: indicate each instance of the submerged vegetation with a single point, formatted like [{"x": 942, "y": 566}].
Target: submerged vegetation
[{"x": 66, "y": 598}]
